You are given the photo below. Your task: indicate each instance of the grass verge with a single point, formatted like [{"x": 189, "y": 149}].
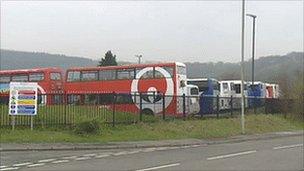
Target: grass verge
[{"x": 176, "y": 129}]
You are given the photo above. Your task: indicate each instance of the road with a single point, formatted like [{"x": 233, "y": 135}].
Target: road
[{"x": 285, "y": 153}]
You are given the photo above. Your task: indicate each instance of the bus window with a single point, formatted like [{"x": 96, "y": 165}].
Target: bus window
[
  {"x": 158, "y": 74},
  {"x": 36, "y": 77},
  {"x": 181, "y": 70},
  {"x": 232, "y": 86},
  {"x": 55, "y": 76},
  {"x": 125, "y": 74},
  {"x": 216, "y": 86},
  {"x": 202, "y": 85},
  {"x": 5, "y": 79},
  {"x": 20, "y": 78},
  {"x": 147, "y": 75},
  {"x": 169, "y": 70},
  {"x": 194, "y": 91},
  {"x": 225, "y": 86},
  {"x": 73, "y": 76},
  {"x": 89, "y": 75},
  {"x": 237, "y": 88},
  {"x": 107, "y": 75},
  {"x": 124, "y": 99}
]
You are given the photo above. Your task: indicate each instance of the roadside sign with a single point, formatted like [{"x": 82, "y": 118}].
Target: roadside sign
[{"x": 23, "y": 98}]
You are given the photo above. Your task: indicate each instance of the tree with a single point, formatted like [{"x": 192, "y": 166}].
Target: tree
[{"x": 108, "y": 60}]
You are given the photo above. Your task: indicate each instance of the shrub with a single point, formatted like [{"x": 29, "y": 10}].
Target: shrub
[{"x": 90, "y": 126}]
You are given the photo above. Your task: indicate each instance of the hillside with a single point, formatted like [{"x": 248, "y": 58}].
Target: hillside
[{"x": 270, "y": 68}]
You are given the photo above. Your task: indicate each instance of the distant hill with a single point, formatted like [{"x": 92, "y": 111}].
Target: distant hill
[{"x": 269, "y": 68}]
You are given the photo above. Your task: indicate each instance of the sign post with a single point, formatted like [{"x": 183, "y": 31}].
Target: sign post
[{"x": 23, "y": 100}]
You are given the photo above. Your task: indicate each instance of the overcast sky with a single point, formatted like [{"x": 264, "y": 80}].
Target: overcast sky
[{"x": 192, "y": 31}]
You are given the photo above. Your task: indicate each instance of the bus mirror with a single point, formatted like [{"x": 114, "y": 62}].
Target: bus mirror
[{"x": 182, "y": 83}]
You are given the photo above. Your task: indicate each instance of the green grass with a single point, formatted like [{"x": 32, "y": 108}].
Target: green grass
[
  {"x": 176, "y": 129},
  {"x": 70, "y": 114}
]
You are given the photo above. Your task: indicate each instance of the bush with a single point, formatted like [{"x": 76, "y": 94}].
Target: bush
[{"x": 91, "y": 126}]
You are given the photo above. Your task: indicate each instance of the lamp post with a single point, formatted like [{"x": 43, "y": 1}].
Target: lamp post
[
  {"x": 253, "y": 44},
  {"x": 242, "y": 68},
  {"x": 139, "y": 58}
]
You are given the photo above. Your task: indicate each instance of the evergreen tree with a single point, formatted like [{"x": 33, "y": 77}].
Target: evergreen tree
[{"x": 108, "y": 60}]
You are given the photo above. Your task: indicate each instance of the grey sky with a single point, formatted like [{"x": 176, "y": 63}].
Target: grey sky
[{"x": 173, "y": 31}]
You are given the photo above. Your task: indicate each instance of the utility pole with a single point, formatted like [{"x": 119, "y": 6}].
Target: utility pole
[
  {"x": 253, "y": 45},
  {"x": 139, "y": 58},
  {"x": 242, "y": 67}
]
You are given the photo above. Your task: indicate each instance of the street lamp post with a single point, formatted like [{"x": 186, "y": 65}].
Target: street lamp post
[
  {"x": 242, "y": 68},
  {"x": 253, "y": 45},
  {"x": 139, "y": 58}
]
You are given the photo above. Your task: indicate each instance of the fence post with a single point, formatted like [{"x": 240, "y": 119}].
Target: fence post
[
  {"x": 140, "y": 107},
  {"x": 114, "y": 105},
  {"x": 217, "y": 106},
  {"x": 184, "y": 106},
  {"x": 164, "y": 107},
  {"x": 65, "y": 104},
  {"x": 231, "y": 106}
]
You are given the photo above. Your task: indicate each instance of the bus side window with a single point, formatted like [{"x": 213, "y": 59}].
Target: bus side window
[
  {"x": 107, "y": 75},
  {"x": 20, "y": 78},
  {"x": 55, "y": 76},
  {"x": 73, "y": 76},
  {"x": 89, "y": 75},
  {"x": 147, "y": 75},
  {"x": 194, "y": 91},
  {"x": 5, "y": 79},
  {"x": 169, "y": 70},
  {"x": 125, "y": 74},
  {"x": 36, "y": 77}
]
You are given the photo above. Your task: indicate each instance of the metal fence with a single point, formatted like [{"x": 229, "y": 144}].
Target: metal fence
[
  {"x": 110, "y": 108},
  {"x": 121, "y": 108}
]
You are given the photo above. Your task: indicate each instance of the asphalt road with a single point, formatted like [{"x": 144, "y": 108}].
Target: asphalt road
[{"x": 273, "y": 154}]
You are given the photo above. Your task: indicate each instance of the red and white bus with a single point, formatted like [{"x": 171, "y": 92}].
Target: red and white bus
[
  {"x": 49, "y": 81},
  {"x": 130, "y": 80}
]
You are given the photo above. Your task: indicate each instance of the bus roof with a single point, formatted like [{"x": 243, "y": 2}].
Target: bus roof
[
  {"x": 19, "y": 71},
  {"x": 126, "y": 66},
  {"x": 201, "y": 79}
]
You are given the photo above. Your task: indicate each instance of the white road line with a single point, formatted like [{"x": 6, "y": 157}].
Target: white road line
[
  {"x": 35, "y": 165},
  {"x": 89, "y": 155},
  {"x": 101, "y": 156},
  {"x": 83, "y": 158},
  {"x": 288, "y": 146},
  {"x": 2, "y": 167},
  {"x": 70, "y": 157},
  {"x": 9, "y": 168},
  {"x": 162, "y": 148},
  {"x": 46, "y": 160},
  {"x": 60, "y": 161},
  {"x": 133, "y": 152},
  {"x": 120, "y": 153},
  {"x": 231, "y": 155},
  {"x": 22, "y": 164},
  {"x": 159, "y": 167}
]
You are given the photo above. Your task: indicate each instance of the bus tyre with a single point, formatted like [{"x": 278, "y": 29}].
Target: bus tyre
[{"x": 147, "y": 112}]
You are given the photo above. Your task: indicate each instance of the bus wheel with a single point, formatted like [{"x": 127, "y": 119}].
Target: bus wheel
[{"x": 147, "y": 112}]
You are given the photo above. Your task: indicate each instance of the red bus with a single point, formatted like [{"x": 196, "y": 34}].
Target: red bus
[
  {"x": 129, "y": 81},
  {"x": 49, "y": 81}
]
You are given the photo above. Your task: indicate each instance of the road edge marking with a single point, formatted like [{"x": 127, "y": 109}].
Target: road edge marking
[
  {"x": 159, "y": 167},
  {"x": 287, "y": 146},
  {"x": 231, "y": 155}
]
